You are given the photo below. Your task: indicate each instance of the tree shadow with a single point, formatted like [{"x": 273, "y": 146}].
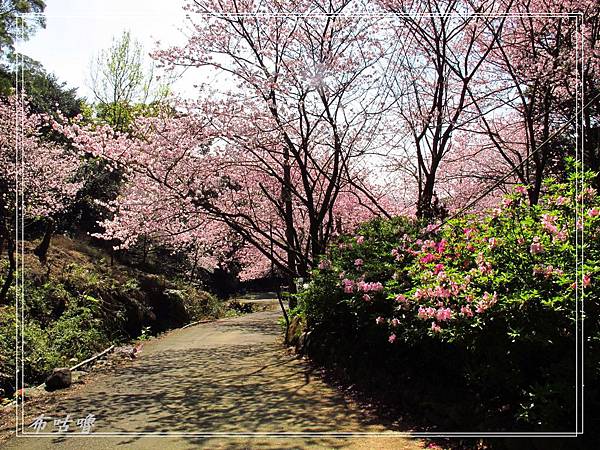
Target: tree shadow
[{"x": 243, "y": 388}]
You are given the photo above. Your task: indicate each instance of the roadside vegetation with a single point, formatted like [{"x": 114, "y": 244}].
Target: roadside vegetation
[
  {"x": 472, "y": 324},
  {"x": 78, "y": 304}
]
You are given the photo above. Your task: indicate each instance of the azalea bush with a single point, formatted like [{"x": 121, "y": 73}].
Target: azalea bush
[{"x": 486, "y": 305}]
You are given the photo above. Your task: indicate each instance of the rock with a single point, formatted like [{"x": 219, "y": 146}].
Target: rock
[
  {"x": 32, "y": 392},
  {"x": 304, "y": 342},
  {"x": 59, "y": 379},
  {"x": 294, "y": 331},
  {"x": 76, "y": 376}
]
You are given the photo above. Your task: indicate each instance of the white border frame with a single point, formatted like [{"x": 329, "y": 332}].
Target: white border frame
[{"x": 579, "y": 259}]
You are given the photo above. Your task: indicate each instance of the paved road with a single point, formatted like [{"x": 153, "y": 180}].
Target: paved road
[{"x": 229, "y": 376}]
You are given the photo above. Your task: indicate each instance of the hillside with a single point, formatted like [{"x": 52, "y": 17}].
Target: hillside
[{"x": 79, "y": 303}]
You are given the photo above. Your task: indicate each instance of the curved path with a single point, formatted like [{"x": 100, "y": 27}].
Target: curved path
[{"x": 229, "y": 376}]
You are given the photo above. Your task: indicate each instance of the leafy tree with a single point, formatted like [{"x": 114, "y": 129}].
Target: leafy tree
[
  {"x": 124, "y": 84},
  {"x": 13, "y": 26}
]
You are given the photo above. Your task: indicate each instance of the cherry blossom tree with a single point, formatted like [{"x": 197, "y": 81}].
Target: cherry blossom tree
[
  {"x": 185, "y": 191},
  {"x": 437, "y": 77},
  {"x": 43, "y": 170},
  {"x": 539, "y": 61},
  {"x": 297, "y": 107}
]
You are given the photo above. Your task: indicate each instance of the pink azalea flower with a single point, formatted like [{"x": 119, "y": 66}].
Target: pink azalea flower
[
  {"x": 348, "y": 286},
  {"x": 392, "y": 338},
  {"x": 594, "y": 212},
  {"x": 427, "y": 258},
  {"x": 521, "y": 190},
  {"x": 466, "y": 311},
  {"x": 549, "y": 223},
  {"x": 400, "y": 298},
  {"x": 324, "y": 264},
  {"x": 366, "y": 297},
  {"x": 360, "y": 239},
  {"x": 468, "y": 231},
  {"x": 438, "y": 268},
  {"x": 441, "y": 246},
  {"x": 380, "y": 320},
  {"x": 561, "y": 201},
  {"x": 560, "y": 236},
  {"x": 536, "y": 246},
  {"x": 507, "y": 202},
  {"x": 395, "y": 322},
  {"x": 426, "y": 313},
  {"x": 489, "y": 298},
  {"x": 443, "y": 314},
  {"x": 358, "y": 262},
  {"x": 481, "y": 307},
  {"x": 435, "y": 327},
  {"x": 586, "y": 280}
]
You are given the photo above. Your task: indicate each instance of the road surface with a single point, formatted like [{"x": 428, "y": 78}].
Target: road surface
[{"x": 230, "y": 376}]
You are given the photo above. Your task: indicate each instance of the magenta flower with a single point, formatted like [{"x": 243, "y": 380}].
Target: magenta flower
[
  {"x": 594, "y": 212},
  {"x": 469, "y": 231},
  {"x": 427, "y": 258},
  {"x": 438, "y": 268},
  {"x": 441, "y": 246},
  {"x": 586, "y": 281}
]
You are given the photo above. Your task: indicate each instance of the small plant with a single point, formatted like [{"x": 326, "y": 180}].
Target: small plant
[{"x": 146, "y": 334}]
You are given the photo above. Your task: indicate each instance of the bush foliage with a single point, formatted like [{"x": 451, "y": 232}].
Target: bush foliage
[
  {"x": 85, "y": 305},
  {"x": 476, "y": 320}
]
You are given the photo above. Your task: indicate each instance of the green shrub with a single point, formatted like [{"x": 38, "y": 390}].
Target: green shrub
[{"x": 485, "y": 306}]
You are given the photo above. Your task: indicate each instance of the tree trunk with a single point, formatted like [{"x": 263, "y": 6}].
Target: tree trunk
[
  {"x": 289, "y": 225},
  {"x": 41, "y": 251},
  {"x": 424, "y": 204},
  {"x": 12, "y": 266}
]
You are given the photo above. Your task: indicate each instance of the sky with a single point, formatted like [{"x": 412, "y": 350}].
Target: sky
[{"x": 77, "y": 30}]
